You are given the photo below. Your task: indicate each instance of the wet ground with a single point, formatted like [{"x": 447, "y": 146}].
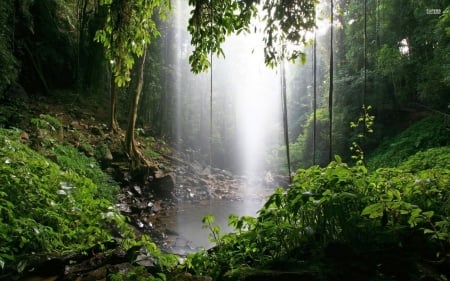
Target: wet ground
[{"x": 171, "y": 207}]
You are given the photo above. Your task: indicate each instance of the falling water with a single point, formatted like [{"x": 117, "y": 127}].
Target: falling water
[
  {"x": 237, "y": 131},
  {"x": 256, "y": 91}
]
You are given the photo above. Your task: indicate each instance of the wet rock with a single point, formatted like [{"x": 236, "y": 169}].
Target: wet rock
[
  {"x": 122, "y": 268},
  {"x": 123, "y": 207},
  {"x": 227, "y": 173},
  {"x": 155, "y": 209},
  {"x": 97, "y": 274},
  {"x": 163, "y": 187},
  {"x": 206, "y": 171},
  {"x": 137, "y": 190},
  {"x": 145, "y": 260},
  {"x": 139, "y": 223},
  {"x": 197, "y": 168},
  {"x": 141, "y": 205}
]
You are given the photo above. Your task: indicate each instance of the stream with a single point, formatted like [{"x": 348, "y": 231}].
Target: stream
[
  {"x": 171, "y": 207},
  {"x": 185, "y": 232}
]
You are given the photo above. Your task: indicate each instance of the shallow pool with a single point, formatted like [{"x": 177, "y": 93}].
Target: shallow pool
[{"x": 184, "y": 228}]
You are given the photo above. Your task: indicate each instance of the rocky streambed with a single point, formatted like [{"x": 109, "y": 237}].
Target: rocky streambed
[{"x": 170, "y": 206}]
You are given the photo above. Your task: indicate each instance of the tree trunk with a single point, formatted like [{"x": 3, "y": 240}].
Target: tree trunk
[
  {"x": 330, "y": 93},
  {"x": 285, "y": 118},
  {"x": 130, "y": 144},
  {"x": 314, "y": 137},
  {"x": 113, "y": 104}
]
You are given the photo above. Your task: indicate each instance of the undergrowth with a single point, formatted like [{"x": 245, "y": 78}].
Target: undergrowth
[
  {"x": 71, "y": 159},
  {"x": 45, "y": 209},
  {"x": 345, "y": 222},
  {"x": 340, "y": 214},
  {"x": 430, "y": 132},
  {"x": 58, "y": 204}
]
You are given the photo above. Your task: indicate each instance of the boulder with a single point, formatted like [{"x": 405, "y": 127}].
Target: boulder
[{"x": 163, "y": 187}]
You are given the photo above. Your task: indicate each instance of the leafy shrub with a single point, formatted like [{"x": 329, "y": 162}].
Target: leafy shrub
[
  {"x": 432, "y": 158},
  {"x": 49, "y": 130},
  {"x": 71, "y": 159},
  {"x": 45, "y": 209},
  {"x": 428, "y": 133},
  {"x": 371, "y": 213}
]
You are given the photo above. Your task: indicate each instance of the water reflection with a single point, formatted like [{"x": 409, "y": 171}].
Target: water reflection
[{"x": 185, "y": 232}]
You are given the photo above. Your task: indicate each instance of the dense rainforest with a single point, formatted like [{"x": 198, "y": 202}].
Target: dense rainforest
[{"x": 90, "y": 110}]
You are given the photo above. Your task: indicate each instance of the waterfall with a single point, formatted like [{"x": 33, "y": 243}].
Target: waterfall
[
  {"x": 246, "y": 130},
  {"x": 245, "y": 107}
]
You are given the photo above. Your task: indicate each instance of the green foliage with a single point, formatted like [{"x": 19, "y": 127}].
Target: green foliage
[
  {"x": 416, "y": 200},
  {"x": 369, "y": 211},
  {"x": 45, "y": 209},
  {"x": 428, "y": 133},
  {"x": 210, "y": 23},
  {"x": 365, "y": 121},
  {"x": 301, "y": 150},
  {"x": 286, "y": 26},
  {"x": 47, "y": 122},
  {"x": 129, "y": 28},
  {"x": 163, "y": 263},
  {"x": 154, "y": 147},
  {"x": 433, "y": 158},
  {"x": 49, "y": 130},
  {"x": 71, "y": 159}
]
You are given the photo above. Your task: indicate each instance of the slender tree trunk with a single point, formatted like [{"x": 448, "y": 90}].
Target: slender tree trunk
[
  {"x": 314, "y": 138},
  {"x": 314, "y": 74},
  {"x": 113, "y": 105},
  {"x": 365, "y": 62},
  {"x": 330, "y": 94},
  {"x": 285, "y": 118},
  {"x": 129, "y": 140}
]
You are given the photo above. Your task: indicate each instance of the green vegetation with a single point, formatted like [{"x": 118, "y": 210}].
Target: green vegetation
[
  {"x": 343, "y": 222},
  {"x": 430, "y": 132},
  {"x": 370, "y": 221},
  {"x": 57, "y": 204},
  {"x": 384, "y": 221},
  {"x": 46, "y": 209},
  {"x": 70, "y": 159}
]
